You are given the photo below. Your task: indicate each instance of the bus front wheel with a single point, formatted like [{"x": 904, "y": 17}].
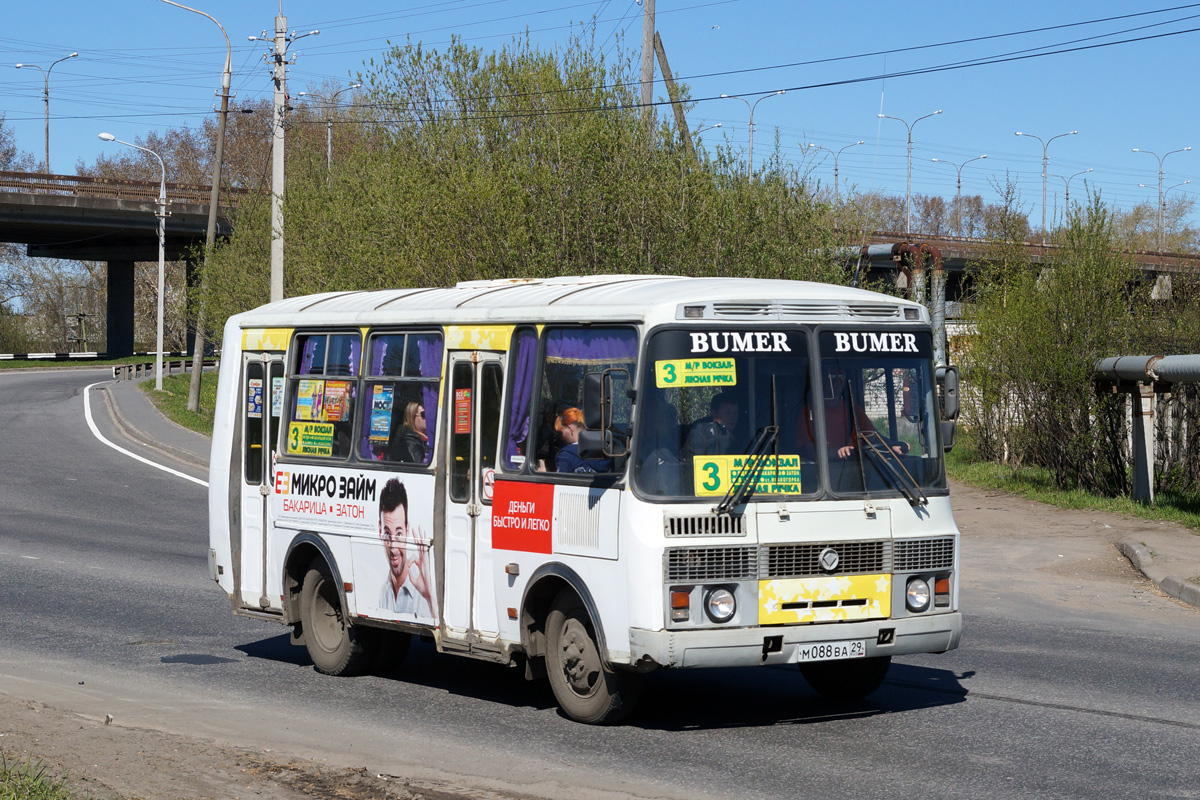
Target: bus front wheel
[
  {"x": 335, "y": 645},
  {"x": 585, "y": 688},
  {"x": 846, "y": 680}
]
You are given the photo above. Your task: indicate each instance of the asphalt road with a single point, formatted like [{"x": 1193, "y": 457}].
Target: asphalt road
[{"x": 1067, "y": 684}]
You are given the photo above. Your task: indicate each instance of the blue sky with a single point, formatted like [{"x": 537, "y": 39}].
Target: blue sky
[{"x": 145, "y": 65}]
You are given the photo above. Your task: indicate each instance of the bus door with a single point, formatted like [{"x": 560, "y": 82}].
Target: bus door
[
  {"x": 474, "y": 404},
  {"x": 262, "y": 405}
]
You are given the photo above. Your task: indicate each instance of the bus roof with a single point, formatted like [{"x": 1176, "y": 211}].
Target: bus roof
[{"x": 589, "y": 298}]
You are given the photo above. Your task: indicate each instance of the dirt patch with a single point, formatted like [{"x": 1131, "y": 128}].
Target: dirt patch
[{"x": 110, "y": 761}]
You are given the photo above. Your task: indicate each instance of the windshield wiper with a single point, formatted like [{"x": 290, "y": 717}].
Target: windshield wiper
[
  {"x": 888, "y": 461},
  {"x": 741, "y": 489}
]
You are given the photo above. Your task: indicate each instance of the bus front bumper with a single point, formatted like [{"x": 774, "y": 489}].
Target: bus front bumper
[{"x": 783, "y": 644}]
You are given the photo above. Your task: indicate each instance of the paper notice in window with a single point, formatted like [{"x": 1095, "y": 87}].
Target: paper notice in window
[{"x": 686, "y": 372}]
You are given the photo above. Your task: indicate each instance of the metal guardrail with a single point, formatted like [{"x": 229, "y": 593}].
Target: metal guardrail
[
  {"x": 113, "y": 188},
  {"x": 133, "y": 372}
]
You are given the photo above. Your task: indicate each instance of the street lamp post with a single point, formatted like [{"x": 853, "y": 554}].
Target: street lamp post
[
  {"x": 46, "y": 98},
  {"x": 1160, "y": 182},
  {"x": 908, "y": 183},
  {"x": 333, "y": 102},
  {"x": 836, "y": 155},
  {"x": 162, "y": 234},
  {"x": 1067, "y": 187},
  {"x": 210, "y": 236},
  {"x": 750, "y": 166},
  {"x": 1045, "y": 163},
  {"x": 708, "y": 128},
  {"x": 958, "y": 186}
]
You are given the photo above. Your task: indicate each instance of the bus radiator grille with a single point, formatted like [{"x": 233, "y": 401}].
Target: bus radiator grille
[
  {"x": 708, "y": 525},
  {"x": 694, "y": 564},
  {"x": 803, "y": 560},
  {"x": 922, "y": 555}
]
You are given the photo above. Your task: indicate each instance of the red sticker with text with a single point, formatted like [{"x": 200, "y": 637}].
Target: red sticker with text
[
  {"x": 522, "y": 514},
  {"x": 462, "y": 410}
]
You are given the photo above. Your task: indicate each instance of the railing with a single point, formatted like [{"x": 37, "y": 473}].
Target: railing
[
  {"x": 133, "y": 372},
  {"x": 114, "y": 188}
]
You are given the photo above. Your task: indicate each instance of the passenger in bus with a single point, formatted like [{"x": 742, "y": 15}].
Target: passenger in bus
[
  {"x": 713, "y": 435},
  {"x": 840, "y": 425},
  {"x": 407, "y": 587},
  {"x": 658, "y": 464},
  {"x": 569, "y": 424},
  {"x": 410, "y": 441}
]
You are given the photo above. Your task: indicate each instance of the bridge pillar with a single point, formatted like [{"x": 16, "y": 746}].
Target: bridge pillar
[
  {"x": 189, "y": 268},
  {"x": 120, "y": 309}
]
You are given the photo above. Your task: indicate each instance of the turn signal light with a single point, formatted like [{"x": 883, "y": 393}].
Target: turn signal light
[
  {"x": 941, "y": 592},
  {"x": 680, "y": 601}
]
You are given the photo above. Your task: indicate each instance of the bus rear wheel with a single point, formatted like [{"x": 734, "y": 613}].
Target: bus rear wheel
[
  {"x": 586, "y": 689},
  {"x": 846, "y": 680},
  {"x": 335, "y": 645}
]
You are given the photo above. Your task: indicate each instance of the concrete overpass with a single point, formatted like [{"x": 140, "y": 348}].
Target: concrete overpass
[{"x": 99, "y": 219}]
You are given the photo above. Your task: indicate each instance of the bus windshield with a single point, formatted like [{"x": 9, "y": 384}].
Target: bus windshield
[
  {"x": 708, "y": 395},
  {"x": 879, "y": 405},
  {"x": 865, "y": 421}
]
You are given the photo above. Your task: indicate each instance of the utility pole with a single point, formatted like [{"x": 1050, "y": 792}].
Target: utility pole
[
  {"x": 281, "y": 41},
  {"x": 647, "y": 58},
  {"x": 673, "y": 92},
  {"x": 277, "y": 144}
]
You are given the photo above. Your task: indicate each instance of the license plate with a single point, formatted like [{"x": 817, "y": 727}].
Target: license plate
[{"x": 832, "y": 651}]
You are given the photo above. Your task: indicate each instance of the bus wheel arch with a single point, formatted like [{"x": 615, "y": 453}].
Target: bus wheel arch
[
  {"x": 543, "y": 587},
  {"x": 302, "y": 550}
]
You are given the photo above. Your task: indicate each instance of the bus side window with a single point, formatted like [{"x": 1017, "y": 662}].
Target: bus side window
[
  {"x": 403, "y": 374},
  {"x": 323, "y": 392},
  {"x": 571, "y": 353}
]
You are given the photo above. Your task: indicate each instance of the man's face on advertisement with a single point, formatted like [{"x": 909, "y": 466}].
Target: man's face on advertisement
[{"x": 393, "y": 529}]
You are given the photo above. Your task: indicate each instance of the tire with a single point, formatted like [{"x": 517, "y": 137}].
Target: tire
[
  {"x": 586, "y": 690},
  {"x": 846, "y": 680},
  {"x": 336, "y": 646}
]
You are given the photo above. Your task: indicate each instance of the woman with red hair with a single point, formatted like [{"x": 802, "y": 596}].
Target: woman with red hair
[{"x": 569, "y": 424}]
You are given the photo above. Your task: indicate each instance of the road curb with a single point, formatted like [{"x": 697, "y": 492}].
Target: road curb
[
  {"x": 133, "y": 432},
  {"x": 1143, "y": 560}
]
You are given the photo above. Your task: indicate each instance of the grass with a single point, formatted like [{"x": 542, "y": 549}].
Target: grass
[
  {"x": 28, "y": 781},
  {"x": 172, "y": 401},
  {"x": 964, "y": 465}
]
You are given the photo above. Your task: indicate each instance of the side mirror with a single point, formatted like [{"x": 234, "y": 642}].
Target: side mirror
[
  {"x": 947, "y": 378},
  {"x": 600, "y": 435},
  {"x": 949, "y": 427},
  {"x": 593, "y": 401}
]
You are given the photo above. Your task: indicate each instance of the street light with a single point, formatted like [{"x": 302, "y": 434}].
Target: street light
[
  {"x": 1160, "y": 189},
  {"x": 709, "y": 128},
  {"x": 835, "y": 163},
  {"x": 908, "y": 184},
  {"x": 1067, "y": 186},
  {"x": 1045, "y": 163},
  {"x": 162, "y": 233},
  {"x": 958, "y": 187},
  {"x": 750, "y": 166},
  {"x": 333, "y": 101},
  {"x": 46, "y": 99},
  {"x": 210, "y": 235}
]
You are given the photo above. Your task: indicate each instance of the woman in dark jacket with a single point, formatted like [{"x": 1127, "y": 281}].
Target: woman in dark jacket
[{"x": 410, "y": 442}]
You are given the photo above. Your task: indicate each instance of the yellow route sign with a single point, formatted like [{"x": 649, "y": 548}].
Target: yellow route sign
[
  {"x": 310, "y": 439},
  {"x": 695, "y": 372},
  {"x": 713, "y": 475}
]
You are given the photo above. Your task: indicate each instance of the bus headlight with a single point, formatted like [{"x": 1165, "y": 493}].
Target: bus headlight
[
  {"x": 720, "y": 605},
  {"x": 916, "y": 597}
]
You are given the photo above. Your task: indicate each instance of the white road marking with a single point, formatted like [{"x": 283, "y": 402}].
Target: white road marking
[{"x": 87, "y": 412}]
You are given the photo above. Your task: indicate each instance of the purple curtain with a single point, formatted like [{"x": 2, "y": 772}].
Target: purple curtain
[
  {"x": 429, "y": 348},
  {"x": 306, "y": 357},
  {"x": 522, "y": 394},
  {"x": 602, "y": 345}
]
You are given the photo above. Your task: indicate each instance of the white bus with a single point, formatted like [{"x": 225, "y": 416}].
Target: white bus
[{"x": 591, "y": 478}]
